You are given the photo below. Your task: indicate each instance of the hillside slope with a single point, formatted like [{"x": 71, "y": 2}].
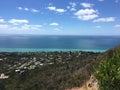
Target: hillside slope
[
  {"x": 69, "y": 72},
  {"x": 110, "y": 54}
]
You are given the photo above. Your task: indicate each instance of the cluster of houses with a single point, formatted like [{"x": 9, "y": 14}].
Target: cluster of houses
[
  {"x": 22, "y": 64},
  {"x": 3, "y": 76}
]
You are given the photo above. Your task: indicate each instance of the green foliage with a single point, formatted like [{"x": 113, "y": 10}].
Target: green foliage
[
  {"x": 108, "y": 72},
  {"x": 2, "y": 87},
  {"x": 68, "y": 72}
]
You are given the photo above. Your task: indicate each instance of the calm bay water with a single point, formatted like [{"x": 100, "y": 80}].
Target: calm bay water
[{"x": 23, "y": 43}]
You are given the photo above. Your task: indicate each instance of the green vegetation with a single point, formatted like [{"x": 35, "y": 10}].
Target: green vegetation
[
  {"x": 60, "y": 70},
  {"x": 108, "y": 72}
]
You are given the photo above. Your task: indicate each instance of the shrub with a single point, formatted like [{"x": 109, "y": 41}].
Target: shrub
[{"x": 108, "y": 73}]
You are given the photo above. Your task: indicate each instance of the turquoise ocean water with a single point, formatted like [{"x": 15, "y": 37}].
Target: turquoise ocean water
[{"x": 32, "y": 43}]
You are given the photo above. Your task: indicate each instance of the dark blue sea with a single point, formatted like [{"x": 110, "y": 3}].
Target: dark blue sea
[{"x": 36, "y": 43}]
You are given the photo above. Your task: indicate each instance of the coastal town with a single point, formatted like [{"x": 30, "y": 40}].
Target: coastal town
[
  {"x": 46, "y": 70},
  {"x": 20, "y": 62}
]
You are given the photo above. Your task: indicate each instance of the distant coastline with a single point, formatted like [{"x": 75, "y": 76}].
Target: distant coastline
[{"x": 47, "y": 50}]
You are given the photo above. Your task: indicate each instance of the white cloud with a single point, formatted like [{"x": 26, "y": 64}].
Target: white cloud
[
  {"x": 18, "y": 21},
  {"x": 87, "y": 17},
  {"x": 19, "y": 8},
  {"x": 86, "y": 5},
  {"x": 60, "y": 10},
  {"x": 54, "y": 24},
  {"x": 28, "y": 9},
  {"x": 31, "y": 27},
  {"x": 108, "y": 19},
  {"x": 53, "y": 8},
  {"x": 86, "y": 14},
  {"x": 34, "y": 10},
  {"x": 35, "y": 27},
  {"x": 116, "y": 1},
  {"x": 19, "y": 24},
  {"x": 72, "y": 6},
  {"x": 1, "y": 20},
  {"x": 117, "y": 25},
  {"x": 68, "y": 7},
  {"x": 73, "y": 9},
  {"x": 25, "y": 27},
  {"x": 3, "y": 26}
]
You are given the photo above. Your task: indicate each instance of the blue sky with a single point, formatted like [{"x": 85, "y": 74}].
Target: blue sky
[{"x": 60, "y": 17}]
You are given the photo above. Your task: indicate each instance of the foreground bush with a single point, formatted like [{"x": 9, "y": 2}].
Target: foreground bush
[{"x": 108, "y": 72}]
